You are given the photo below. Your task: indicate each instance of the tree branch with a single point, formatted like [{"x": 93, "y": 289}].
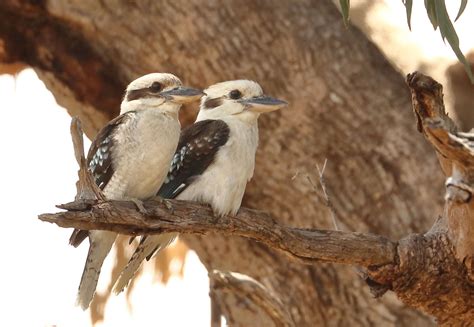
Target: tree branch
[
  {"x": 91, "y": 211},
  {"x": 456, "y": 155},
  {"x": 308, "y": 245}
]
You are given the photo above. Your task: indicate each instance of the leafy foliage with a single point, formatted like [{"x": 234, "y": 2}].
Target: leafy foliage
[
  {"x": 461, "y": 9},
  {"x": 439, "y": 18}
]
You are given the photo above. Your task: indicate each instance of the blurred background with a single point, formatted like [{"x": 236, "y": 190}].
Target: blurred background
[{"x": 41, "y": 272}]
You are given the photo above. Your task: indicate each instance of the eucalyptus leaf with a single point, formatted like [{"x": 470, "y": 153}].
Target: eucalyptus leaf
[
  {"x": 448, "y": 32},
  {"x": 461, "y": 9},
  {"x": 408, "y": 6},
  {"x": 431, "y": 12},
  {"x": 345, "y": 6}
]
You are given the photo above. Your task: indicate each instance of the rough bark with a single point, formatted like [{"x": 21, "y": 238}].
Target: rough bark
[
  {"x": 347, "y": 105},
  {"x": 302, "y": 244},
  {"x": 456, "y": 155}
]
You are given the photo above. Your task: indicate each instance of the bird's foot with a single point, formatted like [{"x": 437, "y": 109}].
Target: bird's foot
[
  {"x": 139, "y": 205},
  {"x": 167, "y": 204}
]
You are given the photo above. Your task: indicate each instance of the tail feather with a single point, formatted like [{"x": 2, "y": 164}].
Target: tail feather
[
  {"x": 100, "y": 244},
  {"x": 148, "y": 245}
]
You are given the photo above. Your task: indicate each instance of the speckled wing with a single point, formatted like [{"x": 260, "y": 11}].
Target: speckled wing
[
  {"x": 197, "y": 148},
  {"x": 99, "y": 161}
]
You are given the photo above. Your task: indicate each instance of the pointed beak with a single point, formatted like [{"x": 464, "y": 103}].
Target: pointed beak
[
  {"x": 182, "y": 94},
  {"x": 263, "y": 104}
]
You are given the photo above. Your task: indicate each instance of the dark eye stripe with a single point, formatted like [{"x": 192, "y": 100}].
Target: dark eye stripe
[
  {"x": 137, "y": 94},
  {"x": 212, "y": 103},
  {"x": 150, "y": 91},
  {"x": 144, "y": 92}
]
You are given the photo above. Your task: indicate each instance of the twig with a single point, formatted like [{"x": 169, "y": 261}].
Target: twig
[
  {"x": 324, "y": 195},
  {"x": 310, "y": 181},
  {"x": 86, "y": 187},
  {"x": 249, "y": 288},
  {"x": 329, "y": 204}
]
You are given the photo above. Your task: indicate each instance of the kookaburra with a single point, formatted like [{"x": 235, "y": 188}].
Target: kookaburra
[
  {"x": 130, "y": 157},
  {"x": 214, "y": 160}
]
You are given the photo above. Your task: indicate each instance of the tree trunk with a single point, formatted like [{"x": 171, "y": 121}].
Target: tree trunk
[{"x": 347, "y": 104}]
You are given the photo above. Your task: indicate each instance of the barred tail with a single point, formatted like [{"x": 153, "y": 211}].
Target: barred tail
[
  {"x": 100, "y": 244},
  {"x": 147, "y": 247}
]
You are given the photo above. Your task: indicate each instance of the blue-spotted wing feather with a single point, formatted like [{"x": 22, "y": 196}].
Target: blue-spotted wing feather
[
  {"x": 197, "y": 148},
  {"x": 99, "y": 161}
]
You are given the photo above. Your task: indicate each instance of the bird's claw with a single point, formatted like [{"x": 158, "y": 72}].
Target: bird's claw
[
  {"x": 139, "y": 205},
  {"x": 168, "y": 205}
]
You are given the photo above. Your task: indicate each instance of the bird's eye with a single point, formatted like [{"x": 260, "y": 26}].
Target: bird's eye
[
  {"x": 155, "y": 87},
  {"x": 235, "y": 94}
]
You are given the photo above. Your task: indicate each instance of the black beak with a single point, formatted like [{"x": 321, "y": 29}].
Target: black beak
[
  {"x": 182, "y": 94},
  {"x": 263, "y": 104}
]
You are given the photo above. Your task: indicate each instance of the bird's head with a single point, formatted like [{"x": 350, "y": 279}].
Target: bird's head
[
  {"x": 158, "y": 91},
  {"x": 242, "y": 99}
]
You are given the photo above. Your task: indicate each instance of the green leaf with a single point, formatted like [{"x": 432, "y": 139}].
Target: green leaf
[
  {"x": 461, "y": 9},
  {"x": 431, "y": 12},
  {"x": 408, "y": 6},
  {"x": 345, "y": 6},
  {"x": 448, "y": 32}
]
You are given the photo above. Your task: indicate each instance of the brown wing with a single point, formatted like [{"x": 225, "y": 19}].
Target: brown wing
[
  {"x": 99, "y": 161},
  {"x": 197, "y": 148}
]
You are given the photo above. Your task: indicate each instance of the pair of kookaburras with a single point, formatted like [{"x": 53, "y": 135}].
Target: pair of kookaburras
[{"x": 143, "y": 153}]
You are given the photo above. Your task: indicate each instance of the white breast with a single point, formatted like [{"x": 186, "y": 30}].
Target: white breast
[
  {"x": 143, "y": 150},
  {"x": 223, "y": 184}
]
